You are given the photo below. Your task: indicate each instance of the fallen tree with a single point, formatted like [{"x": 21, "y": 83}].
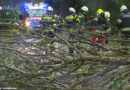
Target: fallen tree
[{"x": 28, "y": 63}]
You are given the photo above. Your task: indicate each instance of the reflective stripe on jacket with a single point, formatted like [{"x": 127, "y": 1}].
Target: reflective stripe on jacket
[
  {"x": 125, "y": 29},
  {"x": 47, "y": 19},
  {"x": 70, "y": 18}
]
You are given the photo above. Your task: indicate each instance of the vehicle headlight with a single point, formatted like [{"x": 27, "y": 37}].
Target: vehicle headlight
[{"x": 27, "y": 23}]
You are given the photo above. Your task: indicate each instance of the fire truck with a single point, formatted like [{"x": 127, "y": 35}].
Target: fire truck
[
  {"x": 0, "y": 6},
  {"x": 33, "y": 14}
]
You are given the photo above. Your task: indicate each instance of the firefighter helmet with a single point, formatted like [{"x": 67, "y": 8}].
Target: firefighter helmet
[
  {"x": 123, "y": 7},
  {"x": 107, "y": 14},
  {"x": 99, "y": 11},
  {"x": 84, "y": 8},
  {"x": 50, "y": 9},
  {"x": 71, "y": 9}
]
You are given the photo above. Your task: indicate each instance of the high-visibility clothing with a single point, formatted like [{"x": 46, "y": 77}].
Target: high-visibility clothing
[
  {"x": 125, "y": 24},
  {"x": 125, "y": 29},
  {"x": 47, "y": 19},
  {"x": 70, "y": 19}
]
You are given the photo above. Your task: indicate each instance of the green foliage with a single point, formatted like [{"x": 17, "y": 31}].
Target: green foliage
[
  {"x": 78, "y": 86},
  {"x": 119, "y": 2},
  {"x": 54, "y": 75}
]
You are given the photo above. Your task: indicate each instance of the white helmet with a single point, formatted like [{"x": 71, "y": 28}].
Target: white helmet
[
  {"x": 56, "y": 16},
  {"x": 84, "y": 8},
  {"x": 107, "y": 14},
  {"x": 50, "y": 9},
  {"x": 71, "y": 9},
  {"x": 123, "y": 7}
]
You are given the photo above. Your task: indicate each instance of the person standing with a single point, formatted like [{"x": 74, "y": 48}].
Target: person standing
[{"x": 124, "y": 26}]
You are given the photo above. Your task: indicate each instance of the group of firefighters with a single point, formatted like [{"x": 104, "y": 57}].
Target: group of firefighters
[{"x": 101, "y": 21}]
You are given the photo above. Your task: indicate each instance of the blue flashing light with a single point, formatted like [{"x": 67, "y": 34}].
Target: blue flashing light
[
  {"x": 46, "y": 6},
  {"x": 25, "y": 7},
  {"x": 22, "y": 7},
  {"x": 32, "y": 23}
]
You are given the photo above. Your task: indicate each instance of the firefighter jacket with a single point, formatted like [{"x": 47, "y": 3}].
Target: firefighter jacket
[
  {"x": 103, "y": 22},
  {"x": 79, "y": 19},
  {"x": 70, "y": 19},
  {"x": 62, "y": 22},
  {"x": 125, "y": 22},
  {"x": 49, "y": 21}
]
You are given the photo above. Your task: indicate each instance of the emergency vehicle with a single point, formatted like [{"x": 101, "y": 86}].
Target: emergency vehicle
[
  {"x": 0, "y": 6},
  {"x": 33, "y": 14}
]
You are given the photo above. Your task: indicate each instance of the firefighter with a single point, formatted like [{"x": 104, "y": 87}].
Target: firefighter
[
  {"x": 70, "y": 21},
  {"x": 124, "y": 26},
  {"x": 47, "y": 19},
  {"x": 102, "y": 23},
  {"x": 70, "y": 24},
  {"x": 94, "y": 38},
  {"x": 107, "y": 27},
  {"x": 81, "y": 18},
  {"x": 49, "y": 23},
  {"x": 56, "y": 21}
]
